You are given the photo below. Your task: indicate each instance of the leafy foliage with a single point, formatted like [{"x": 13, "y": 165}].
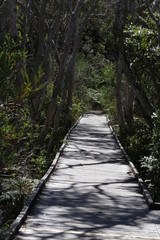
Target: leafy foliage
[
  {"x": 151, "y": 173},
  {"x": 97, "y": 76},
  {"x": 141, "y": 48},
  {"x": 137, "y": 140},
  {"x": 151, "y": 164}
]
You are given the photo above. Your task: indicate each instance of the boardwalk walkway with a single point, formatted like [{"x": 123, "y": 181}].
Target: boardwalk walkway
[{"x": 92, "y": 195}]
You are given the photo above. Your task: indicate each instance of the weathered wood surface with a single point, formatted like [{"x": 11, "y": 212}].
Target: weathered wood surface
[{"x": 92, "y": 195}]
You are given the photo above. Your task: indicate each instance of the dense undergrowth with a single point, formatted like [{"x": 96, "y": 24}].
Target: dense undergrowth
[
  {"x": 143, "y": 146},
  {"x": 23, "y": 160}
]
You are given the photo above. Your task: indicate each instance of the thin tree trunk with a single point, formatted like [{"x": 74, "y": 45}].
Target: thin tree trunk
[
  {"x": 120, "y": 116},
  {"x": 38, "y": 58},
  {"x": 128, "y": 103},
  {"x": 155, "y": 19},
  {"x": 8, "y": 19},
  {"x": 139, "y": 92},
  {"x": 12, "y": 18},
  {"x": 71, "y": 85},
  {"x": 27, "y": 21},
  {"x": 41, "y": 37},
  {"x": 39, "y": 99},
  {"x": 3, "y": 21},
  {"x": 155, "y": 81},
  {"x": 70, "y": 73},
  {"x": 57, "y": 90},
  {"x": 70, "y": 76},
  {"x": 69, "y": 81}
]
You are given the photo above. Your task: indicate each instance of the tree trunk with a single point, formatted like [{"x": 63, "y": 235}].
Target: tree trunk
[
  {"x": 70, "y": 76},
  {"x": 3, "y": 21},
  {"x": 38, "y": 58},
  {"x": 71, "y": 87},
  {"x": 154, "y": 17},
  {"x": 128, "y": 103},
  {"x": 156, "y": 5},
  {"x": 8, "y": 19},
  {"x": 39, "y": 99},
  {"x": 28, "y": 16},
  {"x": 40, "y": 47},
  {"x": 155, "y": 81},
  {"x": 58, "y": 85},
  {"x": 12, "y": 18},
  {"x": 139, "y": 92},
  {"x": 69, "y": 80},
  {"x": 120, "y": 116}
]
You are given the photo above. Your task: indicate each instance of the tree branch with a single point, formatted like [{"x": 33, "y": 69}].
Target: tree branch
[{"x": 155, "y": 19}]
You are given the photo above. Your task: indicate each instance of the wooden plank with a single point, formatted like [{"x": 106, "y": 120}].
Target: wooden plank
[{"x": 92, "y": 194}]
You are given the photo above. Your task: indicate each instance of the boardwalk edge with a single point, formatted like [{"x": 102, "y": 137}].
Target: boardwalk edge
[
  {"x": 151, "y": 204},
  {"x": 24, "y": 212}
]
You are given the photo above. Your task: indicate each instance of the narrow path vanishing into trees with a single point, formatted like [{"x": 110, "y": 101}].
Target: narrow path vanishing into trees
[{"x": 92, "y": 194}]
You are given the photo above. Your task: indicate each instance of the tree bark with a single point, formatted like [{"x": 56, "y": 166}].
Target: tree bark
[
  {"x": 155, "y": 80},
  {"x": 12, "y": 18},
  {"x": 39, "y": 99},
  {"x": 28, "y": 16},
  {"x": 128, "y": 102},
  {"x": 155, "y": 19},
  {"x": 71, "y": 83},
  {"x": 40, "y": 47},
  {"x": 58, "y": 85},
  {"x": 139, "y": 92},
  {"x": 70, "y": 76},
  {"x": 3, "y": 21},
  {"x": 38, "y": 60},
  {"x": 8, "y": 19},
  {"x": 120, "y": 116}
]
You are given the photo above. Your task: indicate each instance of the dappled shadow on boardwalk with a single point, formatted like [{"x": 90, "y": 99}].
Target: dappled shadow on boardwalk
[
  {"x": 94, "y": 211},
  {"x": 92, "y": 195}
]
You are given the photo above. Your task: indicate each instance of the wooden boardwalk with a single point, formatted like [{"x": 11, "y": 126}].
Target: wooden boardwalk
[{"x": 92, "y": 195}]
